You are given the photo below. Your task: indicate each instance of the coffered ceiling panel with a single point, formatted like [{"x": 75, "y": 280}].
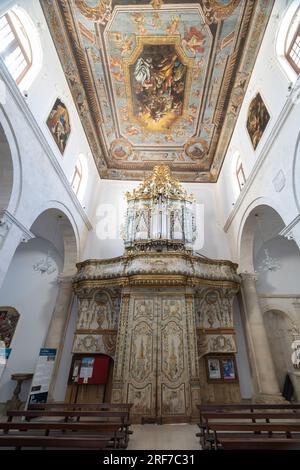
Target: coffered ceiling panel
[{"x": 158, "y": 81}]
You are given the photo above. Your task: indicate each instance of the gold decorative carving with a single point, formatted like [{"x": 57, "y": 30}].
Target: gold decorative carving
[
  {"x": 160, "y": 182},
  {"x": 156, "y": 4},
  {"x": 101, "y": 13},
  {"x": 216, "y": 11}
]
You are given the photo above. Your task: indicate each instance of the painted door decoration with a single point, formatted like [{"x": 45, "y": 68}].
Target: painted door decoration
[{"x": 157, "y": 365}]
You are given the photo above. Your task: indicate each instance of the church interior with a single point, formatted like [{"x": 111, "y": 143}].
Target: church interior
[{"x": 150, "y": 224}]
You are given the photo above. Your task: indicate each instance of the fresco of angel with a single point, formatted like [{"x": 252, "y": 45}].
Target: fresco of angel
[{"x": 194, "y": 40}]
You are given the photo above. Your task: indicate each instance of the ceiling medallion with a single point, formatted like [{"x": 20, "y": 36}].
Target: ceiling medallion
[
  {"x": 101, "y": 13},
  {"x": 216, "y": 11},
  {"x": 196, "y": 148},
  {"x": 156, "y": 4}
]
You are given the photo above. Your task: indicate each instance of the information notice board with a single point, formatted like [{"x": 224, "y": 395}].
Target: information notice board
[{"x": 42, "y": 376}]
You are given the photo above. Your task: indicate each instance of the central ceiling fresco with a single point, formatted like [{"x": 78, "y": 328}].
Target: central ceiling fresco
[{"x": 158, "y": 81}]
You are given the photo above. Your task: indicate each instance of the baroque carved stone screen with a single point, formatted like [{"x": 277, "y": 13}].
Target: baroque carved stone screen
[{"x": 8, "y": 322}]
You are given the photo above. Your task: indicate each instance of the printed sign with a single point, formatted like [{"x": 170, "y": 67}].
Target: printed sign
[{"x": 42, "y": 377}]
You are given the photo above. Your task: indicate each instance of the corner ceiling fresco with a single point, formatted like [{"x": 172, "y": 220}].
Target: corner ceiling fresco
[{"x": 158, "y": 81}]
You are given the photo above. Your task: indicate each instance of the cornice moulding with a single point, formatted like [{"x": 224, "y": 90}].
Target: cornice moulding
[{"x": 5, "y": 214}]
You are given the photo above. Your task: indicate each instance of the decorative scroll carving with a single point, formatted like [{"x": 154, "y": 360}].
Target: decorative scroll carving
[
  {"x": 173, "y": 400},
  {"x": 216, "y": 11},
  {"x": 90, "y": 343},
  {"x": 101, "y": 13},
  {"x": 141, "y": 352},
  {"x": 160, "y": 183},
  {"x": 171, "y": 309},
  {"x": 172, "y": 351},
  {"x": 141, "y": 399},
  {"x": 101, "y": 311},
  {"x": 213, "y": 308},
  {"x": 143, "y": 308}
]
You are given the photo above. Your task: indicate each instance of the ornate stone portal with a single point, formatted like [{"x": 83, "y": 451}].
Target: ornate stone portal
[{"x": 159, "y": 309}]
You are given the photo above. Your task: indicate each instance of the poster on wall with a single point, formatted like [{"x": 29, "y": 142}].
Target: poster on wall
[
  {"x": 4, "y": 355},
  {"x": 86, "y": 370},
  {"x": 42, "y": 376}
]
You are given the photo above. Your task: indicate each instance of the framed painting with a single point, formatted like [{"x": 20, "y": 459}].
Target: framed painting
[
  {"x": 257, "y": 119},
  {"x": 213, "y": 368},
  {"x": 228, "y": 367},
  {"x": 58, "y": 123},
  {"x": 221, "y": 368}
]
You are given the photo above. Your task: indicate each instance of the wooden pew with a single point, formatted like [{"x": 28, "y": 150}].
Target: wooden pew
[
  {"x": 241, "y": 408},
  {"x": 119, "y": 417},
  {"x": 238, "y": 431},
  {"x": 78, "y": 442},
  {"x": 260, "y": 444},
  {"x": 230, "y": 422},
  {"x": 111, "y": 431},
  {"x": 82, "y": 407}
]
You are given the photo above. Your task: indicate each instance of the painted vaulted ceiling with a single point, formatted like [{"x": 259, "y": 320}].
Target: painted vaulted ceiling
[{"x": 158, "y": 81}]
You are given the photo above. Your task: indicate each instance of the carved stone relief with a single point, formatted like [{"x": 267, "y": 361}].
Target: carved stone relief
[
  {"x": 141, "y": 352},
  {"x": 141, "y": 399},
  {"x": 173, "y": 401},
  {"x": 90, "y": 343},
  {"x": 213, "y": 308}
]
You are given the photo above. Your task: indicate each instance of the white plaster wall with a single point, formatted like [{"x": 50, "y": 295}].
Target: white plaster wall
[
  {"x": 33, "y": 295},
  {"x": 105, "y": 240},
  {"x": 285, "y": 279},
  {"x": 49, "y": 84},
  {"x": 66, "y": 358}
]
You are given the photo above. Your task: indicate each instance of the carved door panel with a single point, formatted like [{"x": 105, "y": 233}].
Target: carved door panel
[
  {"x": 156, "y": 370},
  {"x": 141, "y": 361},
  {"x": 172, "y": 364}
]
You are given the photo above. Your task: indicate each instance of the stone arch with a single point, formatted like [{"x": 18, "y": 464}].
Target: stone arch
[
  {"x": 10, "y": 166},
  {"x": 56, "y": 224},
  {"x": 295, "y": 169},
  {"x": 246, "y": 232},
  {"x": 279, "y": 327}
]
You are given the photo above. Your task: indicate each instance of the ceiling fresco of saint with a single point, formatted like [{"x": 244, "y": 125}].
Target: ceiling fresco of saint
[{"x": 158, "y": 81}]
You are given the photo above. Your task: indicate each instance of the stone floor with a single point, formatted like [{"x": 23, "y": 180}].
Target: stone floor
[{"x": 164, "y": 437}]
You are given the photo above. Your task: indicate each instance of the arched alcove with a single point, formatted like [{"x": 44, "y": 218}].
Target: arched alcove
[
  {"x": 279, "y": 332},
  {"x": 6, "y": 171},
  {"x": 54, "y": 225}
]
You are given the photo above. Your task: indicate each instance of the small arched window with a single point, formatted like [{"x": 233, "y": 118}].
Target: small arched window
[
  {"x": 288, "y": 41},
  {"x": 293, "y": 50},
  {"x": 15, "y": 47},
  {"x": 20, "y": 46},
  {"x": 77, "y": 177},
  {"x": 80, "y": 177},
  {"x": 240, "y": 175}
]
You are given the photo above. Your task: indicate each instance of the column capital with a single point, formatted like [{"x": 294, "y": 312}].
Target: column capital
[{"x": 249, "y": 276}]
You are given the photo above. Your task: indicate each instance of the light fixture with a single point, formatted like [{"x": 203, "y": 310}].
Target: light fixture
[
  {"x": 268, "y": 263},
  {"x": 47, "y": 265}
]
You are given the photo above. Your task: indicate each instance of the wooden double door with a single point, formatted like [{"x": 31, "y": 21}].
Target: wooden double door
[{"x": 156, "y": 357}]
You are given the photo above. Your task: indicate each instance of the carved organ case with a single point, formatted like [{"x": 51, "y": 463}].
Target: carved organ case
[{"x": 159, "y": 310}]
